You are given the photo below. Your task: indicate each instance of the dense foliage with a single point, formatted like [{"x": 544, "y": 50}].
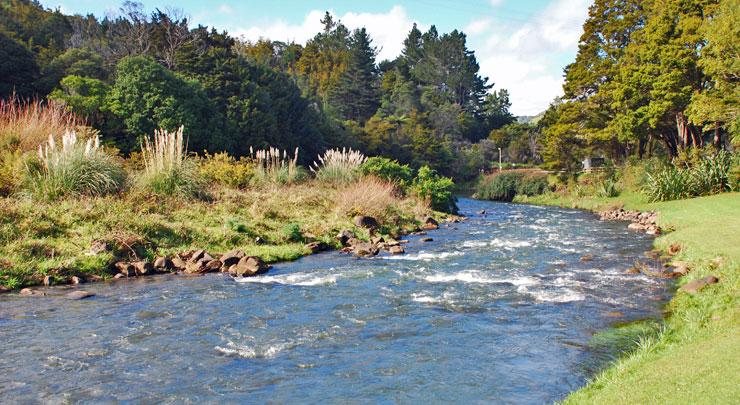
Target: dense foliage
[{"x": 505, "y": 186}]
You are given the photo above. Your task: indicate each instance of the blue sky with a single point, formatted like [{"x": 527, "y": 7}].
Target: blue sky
[{"x": 521, "y": 45}]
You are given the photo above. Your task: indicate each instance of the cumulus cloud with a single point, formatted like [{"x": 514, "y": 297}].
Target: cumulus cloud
[
  {"x": 527, "y": 57},
  {"x": 388, "y": 30}
]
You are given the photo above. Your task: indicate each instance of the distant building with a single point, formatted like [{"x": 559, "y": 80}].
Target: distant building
[{"x": 593, "y": 162}]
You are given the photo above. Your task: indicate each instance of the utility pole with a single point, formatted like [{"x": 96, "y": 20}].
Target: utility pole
[{"x": 500, "y": 165}]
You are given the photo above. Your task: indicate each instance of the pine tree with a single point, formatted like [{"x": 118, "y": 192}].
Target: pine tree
[{"x": 356, "y": 97}]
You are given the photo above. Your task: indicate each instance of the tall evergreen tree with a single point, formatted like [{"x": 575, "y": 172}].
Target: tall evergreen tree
[{"x": 356, "y": 97}]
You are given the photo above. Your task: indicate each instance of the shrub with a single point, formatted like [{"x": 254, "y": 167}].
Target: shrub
[
  {"x": 669, "y": 183},
  {"x": 368, "y": 196},
  {"x": 338, "y": 166},
  {"x": 434, "y": 189},
  {"x": 388, "y": 169},
  {"x": 607, "y": 188},
  {"x": 73, "y": 169},
  {"x": 504, "y": 186},
  {"x": 711, "y": 175},
  {"x": 273, "y": 166},
  {"x": 167, "y": 169},
  {"x": 226, "y": 170},
  {"x": 292, "y": 233}
]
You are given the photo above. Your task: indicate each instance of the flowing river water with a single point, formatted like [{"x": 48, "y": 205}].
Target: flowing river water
[{"x": 498, "y": 308}]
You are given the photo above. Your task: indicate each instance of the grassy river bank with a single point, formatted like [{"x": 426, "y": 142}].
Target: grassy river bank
[{"x": 694, "y": 356}]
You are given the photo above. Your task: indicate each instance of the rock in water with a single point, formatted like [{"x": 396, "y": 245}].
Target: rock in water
[
  {"x": 430, "y": 224},
  {"x": 344, "y": 236},
  {"x": 249, "y": 266},
  {"x": 396, "y": 250},
  {"x": 32, "y": 293},
  {"x": 365, "y": 249},
  {"x": 232, "y": 257},
  {"x": 317, "y": 246},
  {"x": 79, "y": 295}
]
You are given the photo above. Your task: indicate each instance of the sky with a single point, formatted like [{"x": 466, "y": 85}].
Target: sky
[{"x": 521, "y": 45}]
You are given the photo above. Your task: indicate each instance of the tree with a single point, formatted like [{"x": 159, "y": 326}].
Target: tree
[
  {"x": 84, "y": 96},
  {"x": 496, "y": 109},
  {"x": 73, "y": 62},
  {"x": 18, "y": 68},
  {"x": 146, "y": 96},
  {"x": 715, "y": 108},
  {"x": 355, "y": 96}
]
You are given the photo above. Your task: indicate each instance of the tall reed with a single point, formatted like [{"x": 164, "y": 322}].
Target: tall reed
[
  {"x": 26, "y": 124},
  {"x": 275, "y": 166},
  {"x": 338, "y": 165},
  {"x": 167, "y": 169}
]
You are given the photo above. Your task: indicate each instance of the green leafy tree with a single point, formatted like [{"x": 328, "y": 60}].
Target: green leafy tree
[
  {"x": 18, "y": 68},
  {"x": 146, "y": 96},
  {"x": 84, "y": 96}
]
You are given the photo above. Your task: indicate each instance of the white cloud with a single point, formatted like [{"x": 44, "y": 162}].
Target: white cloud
[
  {"x": 477, "y": 26},
  {"x": 388, "y": 30},
  {"x": 496, "y": 3},
  {"x": 526, "y": 58}
]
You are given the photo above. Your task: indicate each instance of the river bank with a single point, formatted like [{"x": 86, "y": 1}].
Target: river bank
[
  {"x": 76, "y": 240},
  {"x": 695, "y": 357}
]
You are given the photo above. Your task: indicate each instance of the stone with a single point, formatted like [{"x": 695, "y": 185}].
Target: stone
[
  {"x": 614, "y": 314},
  {"x": 427, "y": 239},
  {"x": 76, "y": 280},
  {"x": 693, "y": 287},
  {"x": 317, "y": 246},
  {"x": 482, "y": 212},
  {"x": 213, "y": 265},
  {"x": 28, "y": 292},
  {"x": 119, "y": 275},
  {"x": 249, "y": 266},
  {"x": 632, "y": 270},
  {"x": 232, "y": 257},
  {"x": 636, "y": 226},
  {"x": 587, "y": 257},
  {"x": 125, "y": 268},
  {"x": 364, "y": 221},
  {"x": 178, "y": 263},
  {"x": 396, "y": 250},
  {"x": 430, "y": 224},
  {"x": 78, "y": 295},
  {"x": 142, "y": 268},
  {"x": 653, "y": 230},
  {"x": 365, "y": 249},
  {"x": 200, "y": 254},
  {"x": 163, "y": 263},
  {"x": 259, "y": 241},
  {"x": 48, "y": 280},
  {"x": 344, "y": 236},
  {"x": 198, "y": 267},
  {"x": 680, "y": 269},
  {"x": 392, "y": 242}
]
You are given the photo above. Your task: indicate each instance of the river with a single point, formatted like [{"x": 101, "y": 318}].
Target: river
[{"x": 498, "y": 308}]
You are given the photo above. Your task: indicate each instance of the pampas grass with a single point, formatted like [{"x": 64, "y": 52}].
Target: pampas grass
[
  {"x": 74, "y": 168},
  {"x": 275, "y": 166},
  {"x": 338, "y": 165},
  {"x": 167, "y": 169}
]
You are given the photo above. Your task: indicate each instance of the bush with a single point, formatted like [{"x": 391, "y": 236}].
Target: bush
[
  {"x": 697, "y": 175},
  {"x": 226, "y": 170},
  {"x": 504, "y": 186},
  {"x": 389, "y": 170},
  {"x": 167, "y": 169},
  {"x": 73, "y": 169},
  {"x": 434, "y": 189},
  {"x": 338, "y": 166},
  {"x": 368, "y": 196},
  {"x": 292, "y": 233},
  {"x": 607, "y": 188}
]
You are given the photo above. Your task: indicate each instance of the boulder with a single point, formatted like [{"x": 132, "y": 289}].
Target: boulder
[
  {"x": 76, "y": 280},
  {"x": 364, "y": 221},
  {"x": 198, "y": 267},
  {"x": 680, "y": 269},
  {"x": 258, "y": 241},
  {"x": 317, "y": 246},
  {"x": 125, "y": 268},
  {"x": 693, "y": 287},
  {"x": 78, "y": 295},
  {"x": 248, "y": 266},
  {"x": 482, "y": 212},
  {"x": 119, "y": 275},
  {"x": 48, "y": 280},
  {"x": 28, "y": 292},
  {"x": 427, "y": 239},
  {"x": 163, "y": 263},
  {"x": 365, "y": 249},
  {"x": 344, "y": 236},
  {"x": 213, "y": 265},
  {"x": 232, "y": 257},
  {"x": 143, "y": 268},
  {"x": 98, "y": 247},
  {"x": 178, "y": 263},
  {"x": 673, "y": 249},
  {"x": 392, "y": 242},
  {"x": 199, "y": 255},
  {"x": 430, "y": 224},
  {"x": 396, "y": 250},
  {"x": 376, "y": 240}
]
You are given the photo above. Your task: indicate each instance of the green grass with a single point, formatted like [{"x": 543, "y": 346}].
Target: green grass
[{"x": 695, "y": 358}]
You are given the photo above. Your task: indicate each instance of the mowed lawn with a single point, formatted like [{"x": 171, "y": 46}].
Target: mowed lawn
[{"x": 695, "y": 357}]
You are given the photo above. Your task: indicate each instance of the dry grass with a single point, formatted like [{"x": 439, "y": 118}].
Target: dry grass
[
  {"x": 368, "y": 196},
  {"x": 26, "y": 124},
  {"x": 275, "y": 166}
]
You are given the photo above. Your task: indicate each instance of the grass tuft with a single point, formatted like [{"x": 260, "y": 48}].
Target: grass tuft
[
  {"x": 338, "y": 165},
  {"x": 167, "y": 169}
]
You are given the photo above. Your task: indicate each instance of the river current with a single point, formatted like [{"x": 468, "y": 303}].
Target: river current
[{"x": 498, "y": 308}]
